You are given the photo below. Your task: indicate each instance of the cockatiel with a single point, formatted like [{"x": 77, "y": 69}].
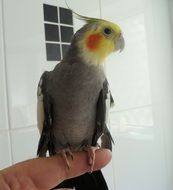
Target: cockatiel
[{"x": 73, "y": 99}]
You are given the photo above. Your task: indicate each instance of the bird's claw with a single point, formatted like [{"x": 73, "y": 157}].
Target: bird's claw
[
  {"x": 91, "y": 155},
  {"x": 65, "y": 154}
]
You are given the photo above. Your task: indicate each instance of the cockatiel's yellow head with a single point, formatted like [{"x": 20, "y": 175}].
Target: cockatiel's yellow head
[{"x": 97, "y": 39}]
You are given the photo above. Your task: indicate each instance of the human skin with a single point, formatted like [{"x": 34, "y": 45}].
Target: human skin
[{"x": 46, "y": 173}]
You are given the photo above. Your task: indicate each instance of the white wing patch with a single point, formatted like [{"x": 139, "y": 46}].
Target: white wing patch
[
  {"x": 40, "y": 107},
  {"x": 109, "y": 105}
]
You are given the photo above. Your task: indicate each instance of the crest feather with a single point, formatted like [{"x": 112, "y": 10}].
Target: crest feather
[{"x": 88, "y": 20}]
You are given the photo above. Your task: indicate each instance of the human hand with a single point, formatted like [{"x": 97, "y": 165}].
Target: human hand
[{"x": 46, "y": 173}]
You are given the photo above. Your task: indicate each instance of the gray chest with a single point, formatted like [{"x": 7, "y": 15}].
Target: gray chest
[{"x": 74, "y": 90}]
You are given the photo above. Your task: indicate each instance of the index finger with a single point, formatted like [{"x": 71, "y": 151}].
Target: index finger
[{"x": 45, "y": 173}]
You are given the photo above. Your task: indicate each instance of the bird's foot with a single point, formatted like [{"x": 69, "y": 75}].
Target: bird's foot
[
  {"x": 91, "y": 155},
  {"x": 65, "y": 154}
]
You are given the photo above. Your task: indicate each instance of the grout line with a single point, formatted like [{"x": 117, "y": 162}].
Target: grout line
[
  {"x": 59, "y": 27},
  {"x": 24, "y": 128},
  {"x": 6, "y": 81},
  {"x": 57, "y": 24},
  {"x": 130, "y": 109},
  {"x": 18, "y": 128},
  {"x": 100, "y": 8},
  {"x": 134, "y": 126},
  {"x": 54, "y": 42}
]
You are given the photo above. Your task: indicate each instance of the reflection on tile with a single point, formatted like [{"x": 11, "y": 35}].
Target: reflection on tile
[
  {"x": 108, "y": 173},
  {"x": 53, "y": 52},
  {"x": 65, "y": 16},
  {"x": 24, "y": 144},
  {"x": 128, "y": 72},
  {"x": 3, "y": 105},
  {"x": 50, "y": 13},
  {"x": 141, "y": 116},
  {"x": 64, "y": 49},
  {"x": 3, "y": 96},
  {"x": 23, "y": 115},
  {"x": 134, "y": 123},
  {"x": 66, "y": 33},
  {"x": 133, "y": 161},
  {"x": 51, "y": 32},
  {"x": 5, "y": 158}
]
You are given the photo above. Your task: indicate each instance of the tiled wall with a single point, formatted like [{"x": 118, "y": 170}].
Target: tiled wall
[
  {"x": 5, "y": 156},
  {"x": 20, "y": 50},
  {"x": 140, "y": 79}
]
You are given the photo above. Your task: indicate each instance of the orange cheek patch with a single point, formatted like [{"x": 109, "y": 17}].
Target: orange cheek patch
[{"x": 93, "y": 41}]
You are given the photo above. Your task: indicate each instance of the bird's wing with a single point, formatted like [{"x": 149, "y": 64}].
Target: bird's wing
[
  {"x": 105, "y": 101},
  {"x": 40, "y": 106},
  {"x": 44, "y": 117}
]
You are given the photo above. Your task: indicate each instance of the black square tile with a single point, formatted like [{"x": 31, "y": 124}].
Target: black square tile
[
  {"x": 50, "y": 13},
  {"x": 51, "y": 32},
  {"x": 66, "y": 33},
  {"x": 64, "y": 49},
  {"x": 65, "y": 16},
  {"x": 53, "y": 52}
]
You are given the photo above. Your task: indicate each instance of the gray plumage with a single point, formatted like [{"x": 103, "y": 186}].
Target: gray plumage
[{"x": 73, "y": 93}]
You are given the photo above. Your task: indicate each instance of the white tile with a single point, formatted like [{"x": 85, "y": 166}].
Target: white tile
[
  {"x": 5, "y": 157},
  {"x": 24, "y": 115},
  {"x": 24, "y": 144},
  {"x": 25, "y": 58},
  {"x": 108, "y": 173},
  {"x": 3, "y": 95},
  {"x": 139, "y": 164},
  {"x": 115, "y": 10},
  {"x": 88, "y": 8},
  {"x": 133, "y": 123}
]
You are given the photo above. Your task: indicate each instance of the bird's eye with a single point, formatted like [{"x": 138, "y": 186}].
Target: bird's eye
[{"x": 107, "y": 31}]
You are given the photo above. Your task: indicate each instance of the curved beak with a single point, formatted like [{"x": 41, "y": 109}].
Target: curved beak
[{"x": 120, "y": 43}]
